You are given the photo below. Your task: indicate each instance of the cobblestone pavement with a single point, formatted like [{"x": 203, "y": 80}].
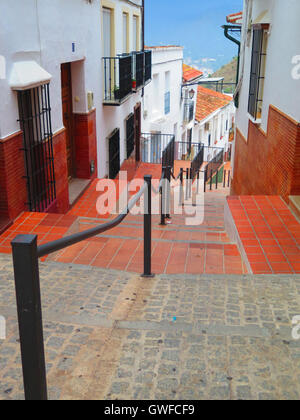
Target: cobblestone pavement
[{"x": 113, "y": 335}]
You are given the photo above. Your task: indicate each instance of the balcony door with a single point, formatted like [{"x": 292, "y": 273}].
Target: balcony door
[{"x": 107, "y": 52}]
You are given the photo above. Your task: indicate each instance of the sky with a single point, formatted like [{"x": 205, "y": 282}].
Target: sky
[{"x": 195, "y": 25}]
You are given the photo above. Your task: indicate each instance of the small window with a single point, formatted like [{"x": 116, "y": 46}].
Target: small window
[{"x": 257, "y": 73}]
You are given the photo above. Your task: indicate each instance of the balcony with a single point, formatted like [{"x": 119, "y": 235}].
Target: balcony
[
  {"x": 125, "y": 75},
  {"x": 188, "y": 112},
  {"x": 117, "y": 79}
]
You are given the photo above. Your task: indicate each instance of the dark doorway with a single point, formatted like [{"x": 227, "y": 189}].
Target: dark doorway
[{"x": 67, "y": 107}]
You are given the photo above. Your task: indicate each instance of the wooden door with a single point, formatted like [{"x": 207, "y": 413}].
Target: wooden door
[
  {"x": 137, "y": 132},
  {"x": 66, "y": 89}
]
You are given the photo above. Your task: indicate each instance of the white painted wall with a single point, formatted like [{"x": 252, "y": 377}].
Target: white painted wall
[
  {"x": 217, "y": 128},
  {"x": 280, "y": 89},
  {"x": 44, "y": 31},
  {"x": 166, "y": 73}
]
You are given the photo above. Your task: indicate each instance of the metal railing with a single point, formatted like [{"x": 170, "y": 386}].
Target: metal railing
[
  {"x": 26, "y": 253},
  {"x": 197, "y": 162},
  {"x": 148, "y": 67},
  {"x": 117, "y": 78},
  {"x": 153, "y": 146},
  {"x": 138, "y": 68}
]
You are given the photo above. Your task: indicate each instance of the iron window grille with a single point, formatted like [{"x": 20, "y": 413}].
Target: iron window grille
[
  {"x": 188, "y": 114},
  {"x": 130, "y": 135},
  {"x": 257, "y": 74},
  {"x": 117, "y": 78},
  {"x": 35, "y": 122},
  {"x": 114, "y": 153}
]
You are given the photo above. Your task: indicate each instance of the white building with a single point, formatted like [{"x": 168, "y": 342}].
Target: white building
[
  {"x": 62, "y": 117},
  {"x": 215, "y": 114},
  {"x": 162, "y": 99},
  {"x": 267, "y": 140}
]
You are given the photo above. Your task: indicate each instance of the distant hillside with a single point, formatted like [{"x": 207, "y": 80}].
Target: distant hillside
[{"x": 228, "y": 72}]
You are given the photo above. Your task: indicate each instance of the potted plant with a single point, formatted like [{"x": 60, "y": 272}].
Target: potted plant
[
  {"x": 133, "y": 84},
  {"x": 117, "y": 92}
]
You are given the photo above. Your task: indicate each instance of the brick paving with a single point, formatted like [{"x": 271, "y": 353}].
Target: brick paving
[
  {"x": 112, "y": 335},
  {"x": 269, "y": 233},
  {"x": 177, "y": 248}
]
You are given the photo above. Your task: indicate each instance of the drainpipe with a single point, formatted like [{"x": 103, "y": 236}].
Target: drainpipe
[
  {"x": 143, "y": 33},
  {"x": 236, "y": 41}
]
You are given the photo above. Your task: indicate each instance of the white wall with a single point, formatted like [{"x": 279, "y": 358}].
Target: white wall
[
  {"x": 44, "y": 31},
  {"x": 164, "y": 60},
  {"x": 280, "y": 89}
]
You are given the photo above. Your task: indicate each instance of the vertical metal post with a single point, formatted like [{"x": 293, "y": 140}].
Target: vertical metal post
[
  {"x": 27, "y": 284},
  {"x": 190, "y": 183},
  {"x": 217, "y": 176},
  {"x": 181, "y": 199},
  {"x": 147, "y": 227},
  {"x": 224, "y": 182},
  {"x": 228, "y": 178},
  {"x": 168, "y": 193},
  {"x": 198, "y": 175},
  {"x": 205, "y": 179},
  {"x": 211, "y": 179},
  {"x": 187, "y": 184}
]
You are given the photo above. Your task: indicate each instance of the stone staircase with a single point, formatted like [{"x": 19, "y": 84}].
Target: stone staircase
[{"x": 112, "y": 335}]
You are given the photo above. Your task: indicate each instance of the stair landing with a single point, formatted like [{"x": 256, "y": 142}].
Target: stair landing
[{"x": 267, "y": 232}]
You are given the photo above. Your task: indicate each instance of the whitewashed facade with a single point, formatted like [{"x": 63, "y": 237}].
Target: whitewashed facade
[{"x": 162, "y": 104}]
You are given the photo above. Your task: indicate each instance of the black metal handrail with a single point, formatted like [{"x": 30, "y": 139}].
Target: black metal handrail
[
  {"x": 138, "y": 68},
  {"x": 27, "y": 284}
]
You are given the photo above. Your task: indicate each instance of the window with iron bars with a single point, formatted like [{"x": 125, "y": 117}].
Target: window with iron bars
[
  {"x": 257, "y": 73},
  {"x": 35, "y": 123}
]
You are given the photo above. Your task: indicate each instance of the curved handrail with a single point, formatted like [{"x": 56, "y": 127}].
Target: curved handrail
[{"x": 67, "y": 241}]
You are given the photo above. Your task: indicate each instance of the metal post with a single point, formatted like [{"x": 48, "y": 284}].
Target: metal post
[
  {"x": 168, "y": 193},
  {"x": 147, "y": 228},
  {"x": 217, "y": 176},
  {"x": 211, "y": 179},
  {"x": 228, "y": 178},
  {"x": 181, "y": 199},
  {"x": 187, "y": 184},
  {"x": 190, "y": 183},
  {"x": 224, "y": 182},
  {"x": 205, "y": 179},
  {"x": 27, "y": 284},
  {"x": 198, "y": 175}
]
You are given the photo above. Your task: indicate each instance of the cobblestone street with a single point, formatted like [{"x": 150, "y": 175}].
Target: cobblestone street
[{"x": 113, "y": 335}]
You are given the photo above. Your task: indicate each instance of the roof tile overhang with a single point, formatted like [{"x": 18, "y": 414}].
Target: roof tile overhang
[
  {"x": 210, "y": 101},
  {"x": 236, "y": 18},
  {"x": 27, "y": 75}
]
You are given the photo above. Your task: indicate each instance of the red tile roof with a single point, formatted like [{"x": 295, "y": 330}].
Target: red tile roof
[
  {"x": 209, "y": 101},
  {"x": 235, "y": 18},
  {"x": 189, "y": 73}
]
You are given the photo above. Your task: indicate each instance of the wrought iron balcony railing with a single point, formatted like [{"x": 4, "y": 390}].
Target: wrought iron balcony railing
[
  {"x": 157, "y": 148},
  {"x": 148, "y": 67},
  {"x": 117, "y": 79},
  {"x": 125, "y": 74}
]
